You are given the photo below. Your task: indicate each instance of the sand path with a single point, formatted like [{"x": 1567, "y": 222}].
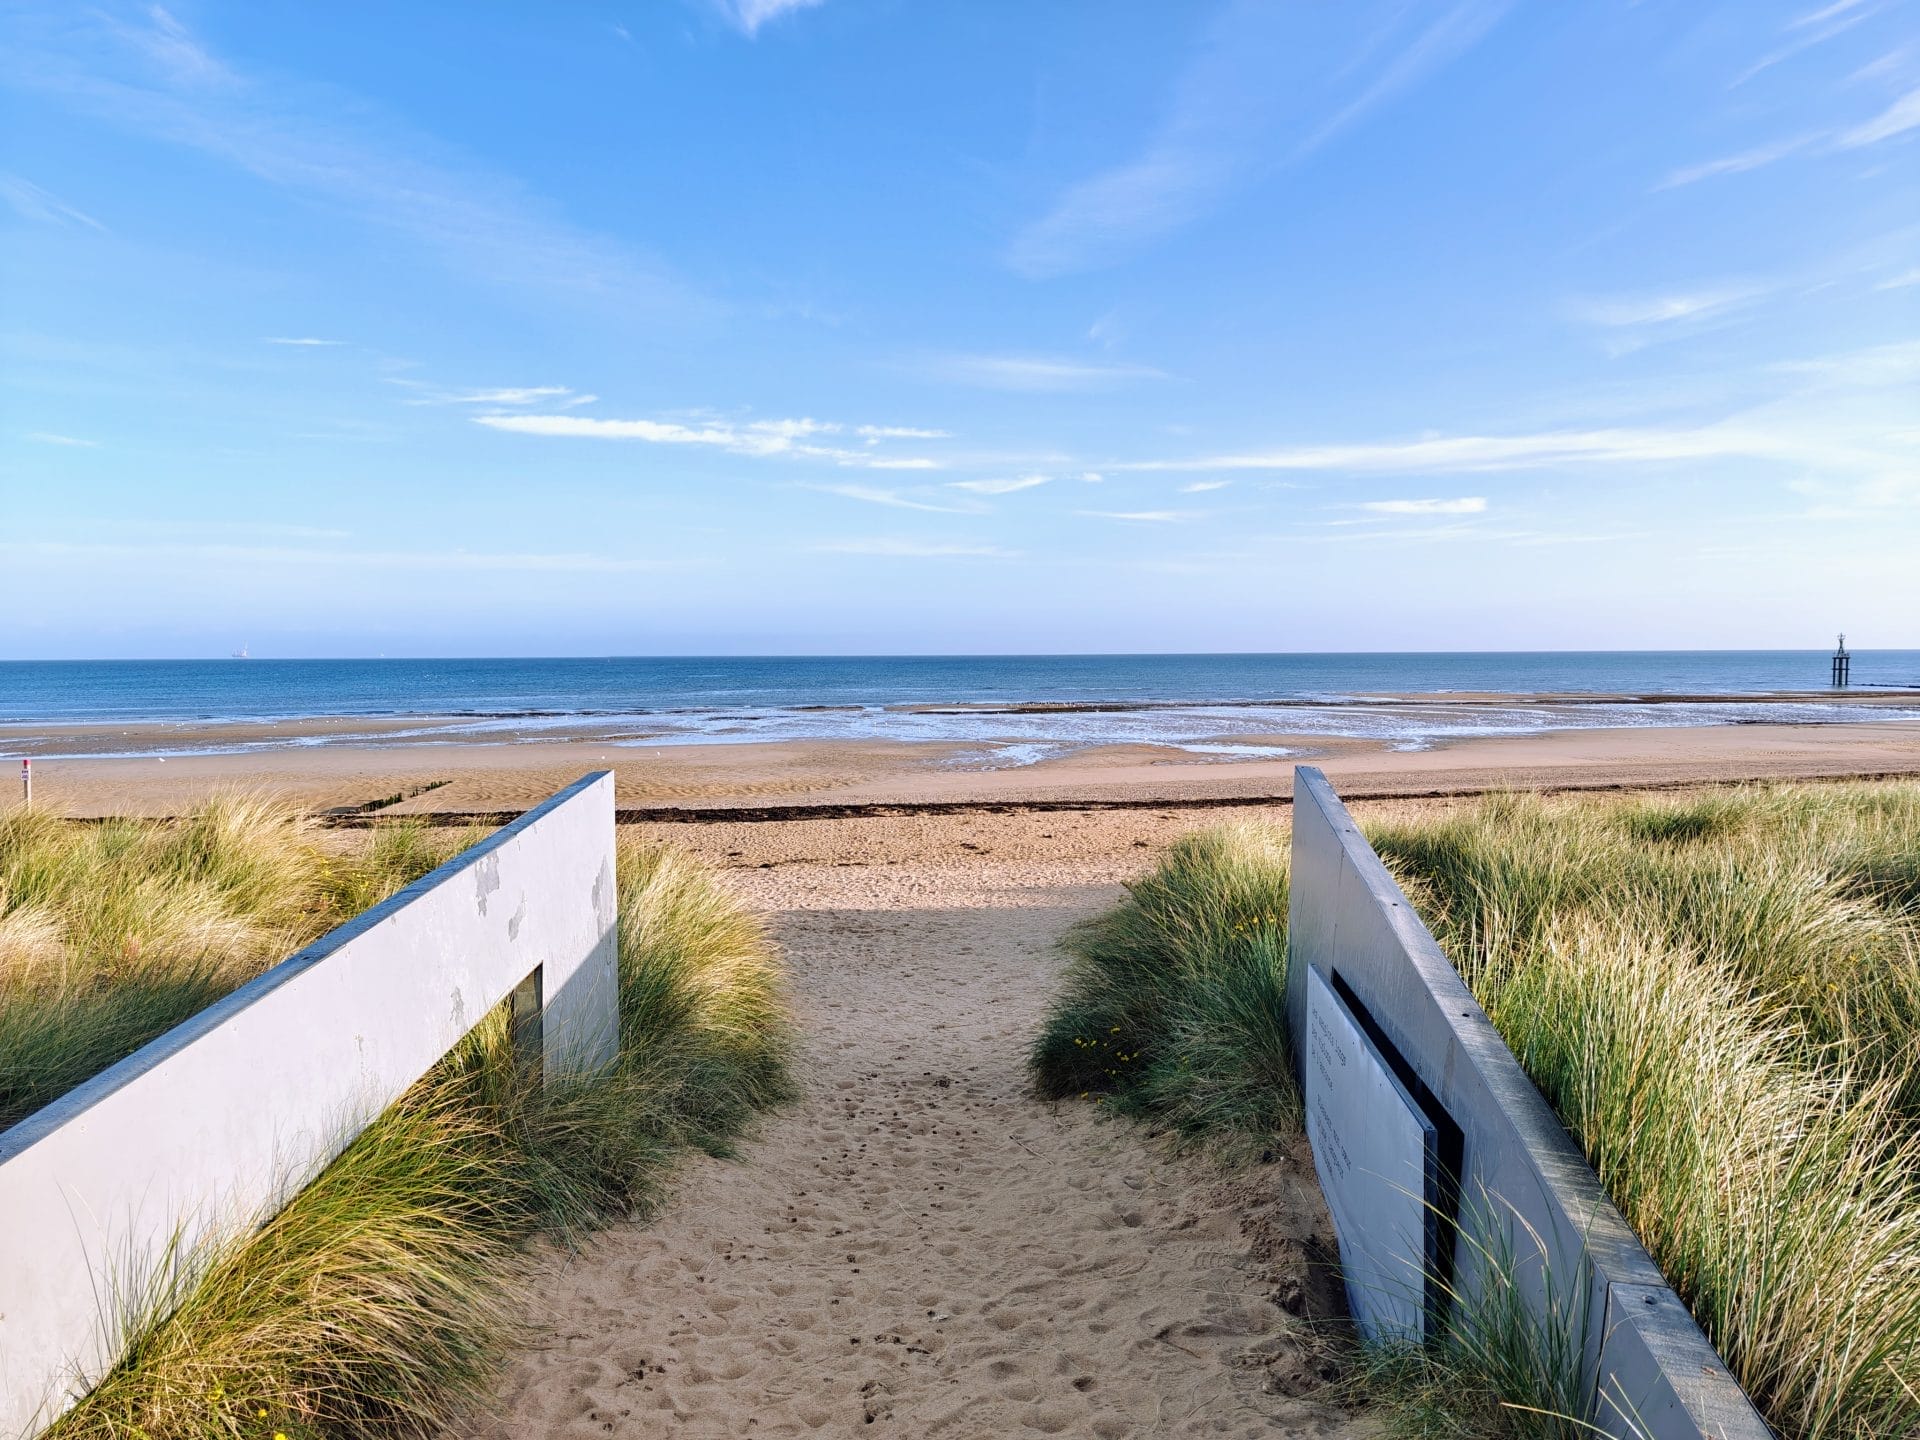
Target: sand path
[{"x": 920, "y": 1247}]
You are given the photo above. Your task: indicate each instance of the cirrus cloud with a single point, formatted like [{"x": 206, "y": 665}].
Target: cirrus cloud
[
  {"x": 758, "y": 438},
  {"x": 1001, "y": 487},
  {"x": 1465, "y": 505}
]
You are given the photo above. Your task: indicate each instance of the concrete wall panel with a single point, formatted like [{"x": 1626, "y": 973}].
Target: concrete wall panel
[
  {"x": 1527, "y": 1194},
  {"x": 216, "y": 1124}
]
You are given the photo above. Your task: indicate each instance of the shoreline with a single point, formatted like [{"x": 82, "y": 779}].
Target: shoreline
[
  {"x": 823, "y": 777},
  {"x": 1884, "y": 693},
  {"x": 1199, "y": 731}
]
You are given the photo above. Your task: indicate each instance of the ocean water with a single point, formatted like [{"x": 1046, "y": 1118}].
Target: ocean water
[{"x": 1000, "y": 710}]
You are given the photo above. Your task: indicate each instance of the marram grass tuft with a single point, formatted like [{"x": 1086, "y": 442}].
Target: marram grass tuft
[
  {"x": 1721, "y": 998},
  {"x": 1174, "y": 1003},
  {"x": 1719, "y": 994},
  {"x": 379, "y": 1301},
  {"x": 111, "y": 934}
]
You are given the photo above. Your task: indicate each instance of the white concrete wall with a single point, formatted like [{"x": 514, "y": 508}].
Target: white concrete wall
[
  {"x": 217, "y": 1123},
  {"x": 1519, "y": 1167}
]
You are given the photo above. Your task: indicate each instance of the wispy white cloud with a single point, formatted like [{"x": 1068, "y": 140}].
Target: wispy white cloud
[
  {"x": 1902, "y": 116},
  {"x": 151, "y": 75},
  {"x": 49, "y": 437},
  {"x": 747, "y": 16},
  {"x": 1465, "y": 505},
  {"x": 1741, "y": 161},
  {"x": 1001, "y": 487},
  {"x": 873, "y": 495},
  {"x": 301, "y": 340},
  {"x": 1815, "y": 27},
  {"x": 1897, "y": 364},
  {"x": 1825, "y": 13},
  {"x": 1900, "y": 281},
  {"x": 421, "y": 392},
  {"x": 1143, "y": 517},
  {"x": 1456, "y": 30},
  {"x": 1234, "y": 107},
  {"x": 1468, "y": 452},
  {"x": 1625, "y": 311},
  {"x": 1108, "y": 331},
  {"x": 173, "y": 49},
  {"x": 1897, "y": 119},
  {"x": 873, "y": 434},
  {"x": 517, "y": 395},
  {"x": 1850, "y": 415},
  {"x": 759, "y": 438},
  {"x": 1883, "y": 490},
  {"x": 1890, "y": 63},
  {"x": 1040, "y": 373},
  {"x": 30, "y": 202},
  {"x": 1201, "y": 487},
  {"x": 916, "y": 549}
]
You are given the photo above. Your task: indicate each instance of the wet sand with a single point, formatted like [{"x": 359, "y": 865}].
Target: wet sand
[{"x": 512, "y": 775}]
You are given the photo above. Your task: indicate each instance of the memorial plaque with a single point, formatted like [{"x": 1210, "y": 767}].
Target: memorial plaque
[{"x": 1376, "y": 1152}]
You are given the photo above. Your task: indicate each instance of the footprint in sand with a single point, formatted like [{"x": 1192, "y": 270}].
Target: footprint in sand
[{"x": 919, "y": 1247}]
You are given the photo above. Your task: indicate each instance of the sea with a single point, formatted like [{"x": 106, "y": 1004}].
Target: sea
[{"x": 990, "y": 710}]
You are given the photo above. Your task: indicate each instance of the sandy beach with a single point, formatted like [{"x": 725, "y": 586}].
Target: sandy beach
[
  {"x": 920, "y": 1247},
  {"x": 514, "y": 772}
]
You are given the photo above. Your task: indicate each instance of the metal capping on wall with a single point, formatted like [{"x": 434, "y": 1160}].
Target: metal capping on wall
[
  {"x": 220, "y": 1121},
  {"x": 1653, "y": 1372}
]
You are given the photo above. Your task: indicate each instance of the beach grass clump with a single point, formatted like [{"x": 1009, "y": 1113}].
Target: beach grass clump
[
  {"x": 366, "y": 1306},
  {"x": 703, "y": 1010},
  {"x": 1719, "y": 995},
  {"x": 379, "y": 1301},
  {"x": 1718, "y": 998},
  {"x": 1173, "y": 1012},
  {"x": 113, "y": 933},
  {"x": 1173, "y": 1006},
  {"x": 1505, "y": 1360}
]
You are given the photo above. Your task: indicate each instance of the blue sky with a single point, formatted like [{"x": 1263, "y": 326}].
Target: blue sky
[{"x": 698, "y": 326}]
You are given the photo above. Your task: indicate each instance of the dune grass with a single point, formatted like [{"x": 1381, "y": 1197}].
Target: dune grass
[
  {"x": 1174, "y": 1003},
  {"x": 379, "y": 1301},
  {"x": 1721, "y": 998},
  {"x": 1720, "y": 995},
  {"x": 1499, "y": 1367},
  {"x": 1172, "y": 1012},
  {"x": 111, "y": 934}
]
